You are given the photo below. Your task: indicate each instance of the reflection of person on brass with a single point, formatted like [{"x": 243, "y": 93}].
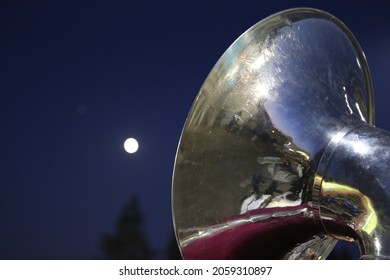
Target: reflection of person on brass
[
  {"x": 277, "y": 177},
  {"x": 233, "y": 123}
]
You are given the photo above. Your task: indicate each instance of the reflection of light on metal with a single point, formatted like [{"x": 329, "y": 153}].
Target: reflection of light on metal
[
  {"x": 360, "y": 147},
  {"x": 261, "y": 60},
  {"x": 371, "y": 219},
  {"x": 318, "y": 180},
  {"x": 261, "y": 90},
  {"x": 282, "y": 201},
  {"x": 337, "y": 138},
  {"x": 301, "y": 153},
  {"x": 360, "y": 112},
  {"x": 368, "y": 220},
  {"x": 358, "y": 62},
  {"x": 232, "y": 73},
  {"x": 378, "y": 244},
  {"x": 346, "y": 100},
  {"x": 306, "y": 156}
]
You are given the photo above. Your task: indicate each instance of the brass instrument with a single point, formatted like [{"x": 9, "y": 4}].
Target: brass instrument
[{"x": 279, "y": 157}]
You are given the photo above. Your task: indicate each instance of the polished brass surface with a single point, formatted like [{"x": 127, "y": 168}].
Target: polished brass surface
[{"x": 266, "y": 161}]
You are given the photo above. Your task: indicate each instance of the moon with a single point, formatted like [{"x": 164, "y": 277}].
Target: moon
[{"x": 131, "y": 145}]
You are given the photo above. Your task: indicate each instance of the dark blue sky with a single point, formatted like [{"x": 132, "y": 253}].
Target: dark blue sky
[{"x": 79, "y": 77}]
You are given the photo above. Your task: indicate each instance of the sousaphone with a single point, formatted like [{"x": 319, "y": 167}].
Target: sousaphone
[{"x": 279, "y": 157}]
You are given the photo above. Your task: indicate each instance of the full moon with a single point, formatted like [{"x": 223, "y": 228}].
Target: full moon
[{"x": 131, "y": 145}]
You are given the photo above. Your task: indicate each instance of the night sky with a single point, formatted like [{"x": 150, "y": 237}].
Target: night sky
[{"x": 79, "y": 77}]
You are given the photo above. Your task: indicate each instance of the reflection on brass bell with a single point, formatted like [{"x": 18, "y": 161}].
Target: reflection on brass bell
[{"x": 279, "y": 157}]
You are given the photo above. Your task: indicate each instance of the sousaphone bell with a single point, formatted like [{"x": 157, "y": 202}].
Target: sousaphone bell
[{"x": 279, "y": 157}]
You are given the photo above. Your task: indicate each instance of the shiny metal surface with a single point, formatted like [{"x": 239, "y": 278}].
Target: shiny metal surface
[
  {"x": 279, "y": 157},
  {"x": 355, "y": 189}
]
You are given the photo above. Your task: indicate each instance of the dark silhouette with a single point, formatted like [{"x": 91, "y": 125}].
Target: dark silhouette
[{"x": 129, "y": 241}]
